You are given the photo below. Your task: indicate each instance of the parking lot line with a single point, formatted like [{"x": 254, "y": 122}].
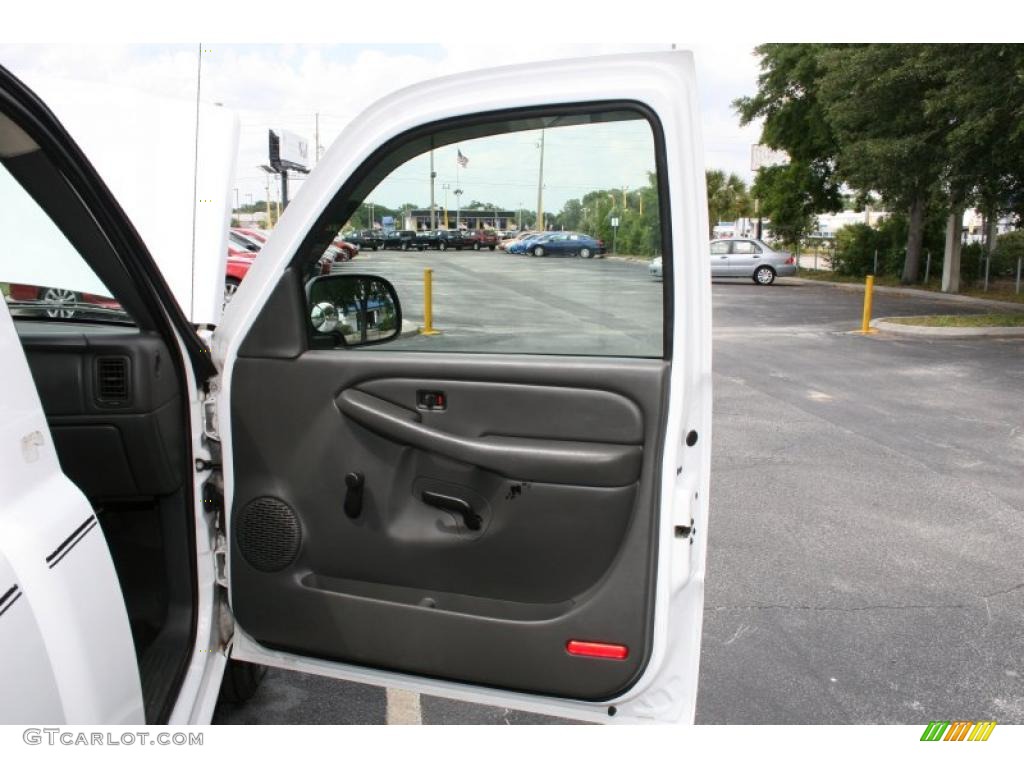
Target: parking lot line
[{"x": 403, "y": 708}]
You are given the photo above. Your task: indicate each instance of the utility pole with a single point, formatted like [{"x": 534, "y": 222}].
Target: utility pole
[
  {"x": 540, "y": 186},
  {"x": 270, "y": 223},
  {"x": 520, "y": 226},
  {"x": 445, "y": 187},
  {"x": 458, "y": 206},
  {"x": 624, "y": 197},
  {"x": 433, "y": 175}
]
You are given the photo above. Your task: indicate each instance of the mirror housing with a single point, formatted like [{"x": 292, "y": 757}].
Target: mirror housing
[{"x": 352, "y": 310}]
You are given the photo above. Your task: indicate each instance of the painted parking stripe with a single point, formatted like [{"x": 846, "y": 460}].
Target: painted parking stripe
[{"x": 403, "y": 708}]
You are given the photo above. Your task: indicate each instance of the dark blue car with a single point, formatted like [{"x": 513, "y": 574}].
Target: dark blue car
[{"x": 565, "y": 244}]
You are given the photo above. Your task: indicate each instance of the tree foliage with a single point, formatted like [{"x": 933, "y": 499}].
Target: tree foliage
[
  {"x": 728, "y": 198},
  {"x": 926, "y": 127}
]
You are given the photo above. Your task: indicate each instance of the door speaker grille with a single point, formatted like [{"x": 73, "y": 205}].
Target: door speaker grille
[{"x": 268, "y": 534}]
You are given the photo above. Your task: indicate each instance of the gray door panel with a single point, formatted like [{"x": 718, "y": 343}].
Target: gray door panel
[{"x": 558, "y": 457}]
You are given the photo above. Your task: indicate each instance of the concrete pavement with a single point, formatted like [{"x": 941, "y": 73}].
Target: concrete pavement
[{"x": 866, "y": 529}]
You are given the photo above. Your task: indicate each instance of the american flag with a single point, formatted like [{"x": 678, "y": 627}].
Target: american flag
[{"x": 461, "y": 159}]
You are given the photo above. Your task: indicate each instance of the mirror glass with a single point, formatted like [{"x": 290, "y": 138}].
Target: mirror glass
[{"x": 354, "y": 309}]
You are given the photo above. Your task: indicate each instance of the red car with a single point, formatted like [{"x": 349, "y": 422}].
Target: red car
[
  {"x": 238, "y": 265},
  {"x": 60, "y": 302},
  {"x": 484, "y": 238},
  {"x": 255, "y": 239}
]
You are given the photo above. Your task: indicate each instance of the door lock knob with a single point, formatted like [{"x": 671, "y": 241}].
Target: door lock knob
[{"x": 354, "y": 495}]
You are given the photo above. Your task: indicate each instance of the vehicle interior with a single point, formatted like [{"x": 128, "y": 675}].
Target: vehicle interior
[
  {"x": 470, "y": 516},
  {"x": 112, "y": 390}
]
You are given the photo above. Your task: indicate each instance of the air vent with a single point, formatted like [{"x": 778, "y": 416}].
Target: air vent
[{"x": 112, "y": 381}]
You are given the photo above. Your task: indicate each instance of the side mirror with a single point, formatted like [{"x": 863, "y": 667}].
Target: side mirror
[{"x": 353, "y": 310}]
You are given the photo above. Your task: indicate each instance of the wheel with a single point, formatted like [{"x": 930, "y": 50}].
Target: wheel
[
  {"x": 62, "y": 302},
  {"x": 476, "y": 246},
  {"x": 374, "y": 247},
  {"x": 230, "y": 287},
  {"x": 585, "y": 253},
  {"x": 538, "y": 251},
  {"x": 492, "y": 247},
  {"x": 764, "y": 275},
  {"x": 405, "y": 246},
  {"x": 240, "y": 682},
  {"x": 442, "y": 246}
]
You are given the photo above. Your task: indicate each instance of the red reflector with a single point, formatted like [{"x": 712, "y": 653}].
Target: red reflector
[
  {"x": 791, "y": 260},
  {"x": 597, "y": 650}
]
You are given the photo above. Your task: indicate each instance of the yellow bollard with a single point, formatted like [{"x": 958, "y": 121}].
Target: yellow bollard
[
  {"x": 865, "y": 323},
  {"x": 428, "y": 304}
]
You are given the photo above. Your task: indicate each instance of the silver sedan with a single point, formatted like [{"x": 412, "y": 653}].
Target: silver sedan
[
  {"x": 743, "y": 257},
  {"x": 750, "y": 258}
]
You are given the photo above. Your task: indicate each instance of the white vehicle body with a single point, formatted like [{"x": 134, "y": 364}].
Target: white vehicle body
[{"x": 663, "y": 84}]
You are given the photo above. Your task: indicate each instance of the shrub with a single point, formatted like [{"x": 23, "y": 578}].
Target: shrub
[{"x": 1009, "y": 248}]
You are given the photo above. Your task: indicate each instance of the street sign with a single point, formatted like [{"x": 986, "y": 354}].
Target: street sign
[{"x": 615, "y": 221}]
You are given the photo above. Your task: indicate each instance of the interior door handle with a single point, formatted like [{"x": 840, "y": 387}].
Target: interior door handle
[
  {"x": 454, "y": 505},
  {"x": 541, "y": 460}
]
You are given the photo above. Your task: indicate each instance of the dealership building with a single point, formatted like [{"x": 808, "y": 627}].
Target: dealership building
[{"x": 419, "y": 218}]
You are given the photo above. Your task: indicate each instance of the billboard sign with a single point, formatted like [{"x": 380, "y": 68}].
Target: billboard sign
[{"x": 288, "y": 151}]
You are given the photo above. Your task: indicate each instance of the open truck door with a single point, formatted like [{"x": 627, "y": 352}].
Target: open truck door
[{"x": 512, "y": 517}]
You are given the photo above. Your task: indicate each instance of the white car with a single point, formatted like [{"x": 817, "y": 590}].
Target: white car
[{"x": 518, "y": 530}]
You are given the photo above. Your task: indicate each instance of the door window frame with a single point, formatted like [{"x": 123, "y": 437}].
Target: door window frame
[{"x": 344, "y": 203}]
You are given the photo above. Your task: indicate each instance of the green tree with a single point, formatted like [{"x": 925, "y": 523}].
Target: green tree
[
  {"x": 788, "y": 100},
  {"x": 875, "y": 97},
  {"x": 728, "y": 198}
]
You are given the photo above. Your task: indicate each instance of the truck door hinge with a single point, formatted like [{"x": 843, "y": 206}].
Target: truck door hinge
[
  {"x": 210, "y": 418},
  {"x": 220, "y": 561}
]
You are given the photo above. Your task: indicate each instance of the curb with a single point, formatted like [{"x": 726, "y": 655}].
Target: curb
[
  {"x": 902, "y": 329},
  {"x": 408, "y": 329},
  {"x": 630, "y": 259},
  {"x": 917, "y": 292}
]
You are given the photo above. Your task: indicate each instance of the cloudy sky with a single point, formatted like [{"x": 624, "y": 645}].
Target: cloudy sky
[{"x": 285, "y": 86}]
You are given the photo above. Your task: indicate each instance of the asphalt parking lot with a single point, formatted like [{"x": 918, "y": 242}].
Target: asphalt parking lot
[{"x": 866, "y": 534}]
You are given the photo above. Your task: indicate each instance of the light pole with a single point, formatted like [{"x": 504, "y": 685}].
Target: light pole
[
  {"x": 458, "y": 206},
  {"x": 445, "y": 187},
  {"x": 433, "y": 205},
  {"x": 540, "y": 184}
]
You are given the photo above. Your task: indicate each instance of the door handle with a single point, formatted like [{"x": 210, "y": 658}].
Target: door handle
[
  {"x": 454, "y": 505},
  {"x": 542, "y": 460}
]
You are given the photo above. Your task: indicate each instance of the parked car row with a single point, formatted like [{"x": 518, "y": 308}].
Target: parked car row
[
  {"x": 435, "y": 239},
  {"x": 558, "y": 244},
  {"x": 243, "y": 247}
]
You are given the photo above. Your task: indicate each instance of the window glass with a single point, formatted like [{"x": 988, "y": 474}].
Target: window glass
[
  {"x": 744, "y": 246},
  {"x": 572, "y": 205},
  {"x": 719, "y": 248},
  {"x": 42, "y": 275}
]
